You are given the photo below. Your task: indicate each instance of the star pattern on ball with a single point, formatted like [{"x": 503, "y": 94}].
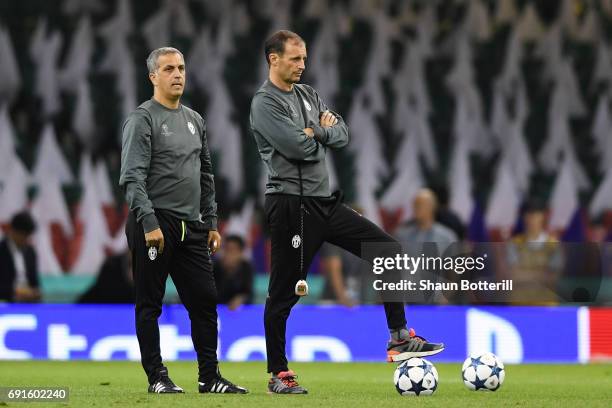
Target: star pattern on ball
[
  {"x": 417, "y": 387},
  {"x": 479, "y": 384},
  {"x": 475, "y": 362},
  {"x": 427, "y": 368},
  {"x": 495, "y": 370}
]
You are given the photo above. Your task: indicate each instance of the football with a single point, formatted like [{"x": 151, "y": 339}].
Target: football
[
  {"x": 416, "y": 376},
  {"x": 483, "y": 372}
]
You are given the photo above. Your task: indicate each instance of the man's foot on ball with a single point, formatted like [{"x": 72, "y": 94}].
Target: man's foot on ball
[
  {"x": 285, "y": 383},
  {"x": 411, "y": 346},
  {"x": 164, "y": 385}
]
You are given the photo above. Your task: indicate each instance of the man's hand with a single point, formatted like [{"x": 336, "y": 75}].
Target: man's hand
[
  {"x": 155, "y": 238},
  {"x": 214, "y": 241},
  {"x": 309, "y": 132},
  {"x": 27, "y": 294},
  {"x": 328, "y": 119},
  {"x": 236, "y": 302},
  {"x": 347, "y": 301}
]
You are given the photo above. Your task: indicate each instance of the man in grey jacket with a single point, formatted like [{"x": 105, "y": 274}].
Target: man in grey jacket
[
  {"x": 166, "y": 173},
  {"x": 293, "y": 129}
]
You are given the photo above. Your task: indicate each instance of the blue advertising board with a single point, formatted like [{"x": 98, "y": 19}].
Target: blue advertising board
[{"x": 314, "y": 333}]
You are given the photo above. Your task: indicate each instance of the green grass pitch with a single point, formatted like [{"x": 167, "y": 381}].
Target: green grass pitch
[{"x": 123, "y": 384}]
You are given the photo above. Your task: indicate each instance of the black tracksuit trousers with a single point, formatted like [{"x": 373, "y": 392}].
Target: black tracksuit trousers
[
  {"x": 186, "y": 258},
  {"x": 325, "y": 219}
]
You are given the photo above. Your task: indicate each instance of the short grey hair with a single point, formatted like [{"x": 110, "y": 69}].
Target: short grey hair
[{"x": 152, "y": 65}]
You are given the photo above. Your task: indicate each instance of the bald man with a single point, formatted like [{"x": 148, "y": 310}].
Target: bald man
[
  {"x": 423, "y": 226},
  {"x": 423, "y": 234}
]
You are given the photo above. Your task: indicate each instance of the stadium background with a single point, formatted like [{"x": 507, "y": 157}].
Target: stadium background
[{"x": 490, "y": 102}]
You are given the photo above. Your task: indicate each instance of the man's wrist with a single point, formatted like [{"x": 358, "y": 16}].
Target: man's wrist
[
  {"x": 320, "y": 134},
  {"x": 210, "y": 222},
  {"x": 149, "y": 223}
]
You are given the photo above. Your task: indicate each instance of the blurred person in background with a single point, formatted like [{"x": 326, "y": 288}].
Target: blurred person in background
[
  {"x": 18, "y": 268},
  {"x": 534, "y": 259},
  {"x": 599, "y": 231},
  {"x": 445, "y": 215},
  {"x": 424, "y": 235},
  {"x": 534, "y": 222},
  {"x": 423, "y": 226},
  {"x": 587, "y": 265},
  {"x": 339, "y": 286},
  {"x": 345, "y": 281},
  {"x": 234, "y": 274},
  {"x": 601, "y": 235},
  {"x": 114, "y": 283}
]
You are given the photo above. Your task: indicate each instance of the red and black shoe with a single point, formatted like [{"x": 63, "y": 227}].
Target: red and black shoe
[
  {"x": 285, "y": 383},
  {"x": 413, "y": 346}
]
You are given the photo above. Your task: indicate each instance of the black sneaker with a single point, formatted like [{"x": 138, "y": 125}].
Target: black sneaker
[
  {"x": 164, "y": 384},
  {"x": 285, "y": 383},
  {"x": 220, "y": 385},
  {"x": 414, "y": 346}
]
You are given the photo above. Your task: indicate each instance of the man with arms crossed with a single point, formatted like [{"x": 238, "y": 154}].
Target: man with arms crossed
[
  {"x": 166, "y": 173},
  {"x": 293, "y": 129}
]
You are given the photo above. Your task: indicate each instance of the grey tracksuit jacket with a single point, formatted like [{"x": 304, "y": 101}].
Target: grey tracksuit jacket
[
  {"x": 277, "y": 123},
  {"x": 165, "y": 164}
]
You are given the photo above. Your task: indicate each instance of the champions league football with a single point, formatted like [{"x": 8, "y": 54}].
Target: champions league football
[
  {"x": 483, "y": 372},
  {"x": 416, "y": 377},
  {"x": 419, "y": 377}
]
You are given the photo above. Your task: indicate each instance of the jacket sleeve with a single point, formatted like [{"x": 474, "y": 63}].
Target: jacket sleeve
[
  {"x": 271, "y": 121},
  {"x": 336, "y": 136},
  {"x": 208, "y": 205},
  {"x": 135, "y": 160}
]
